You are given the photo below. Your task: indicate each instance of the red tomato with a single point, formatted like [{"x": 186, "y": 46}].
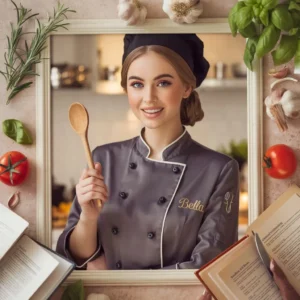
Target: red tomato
[
  {"x": 280, "y": 161},
  {"x": 14, "y": 168}
]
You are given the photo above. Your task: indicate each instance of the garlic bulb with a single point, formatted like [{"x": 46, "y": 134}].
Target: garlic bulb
[
  {"x": 282, "y": 104},
  {"x": 183, "y": 11},
  {"x": 132, "y": 11},
  {"x": 290, "y": 103}
]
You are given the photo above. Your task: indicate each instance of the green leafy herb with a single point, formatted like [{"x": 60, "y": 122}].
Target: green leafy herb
[
  {"x": 75, "y": 291},
  {"x": 263, "y": 22},
  {"x": 282, "y": 18},
  {"x": 264, "y": 17},
  {"x": 232, "y": 17},
  {"x": 269, "y": 4},
  {"x": 16, "y": 131},
  {"x": 250, "y": 51},
  {"x": 237, "y": 150},
  {"x": 296, "y": 18},
  {"x": 267, "y": 40},
  {"x": 20, "y": 63},
  {"x": 286, "y": 50},
  {"x": 244, "y": 17},
  {"x": 294, "y": 5},
  {"x": 249, "y": 31},
  {"x": 297, "y": 59}
]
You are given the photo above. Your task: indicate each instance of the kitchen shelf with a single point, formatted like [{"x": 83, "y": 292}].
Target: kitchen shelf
[{"x": 223, "y": 84}]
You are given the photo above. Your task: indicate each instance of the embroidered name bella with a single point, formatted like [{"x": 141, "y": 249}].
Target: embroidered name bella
[{"x": 185, "y": 203}]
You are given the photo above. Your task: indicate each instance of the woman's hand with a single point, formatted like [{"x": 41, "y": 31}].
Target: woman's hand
[
  {"x": 91, "y": 187},
  {"x": 286, "y": 290}
]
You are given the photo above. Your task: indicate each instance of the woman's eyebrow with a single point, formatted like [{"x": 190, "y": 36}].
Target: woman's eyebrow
[{"x": 157, "y": 77}]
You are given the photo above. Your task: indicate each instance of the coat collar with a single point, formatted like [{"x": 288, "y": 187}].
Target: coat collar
[{"x": 173, "y": 149}]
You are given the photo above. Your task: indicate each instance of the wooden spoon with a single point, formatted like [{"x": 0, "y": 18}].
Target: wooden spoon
[{"x": 79, "y": 120}]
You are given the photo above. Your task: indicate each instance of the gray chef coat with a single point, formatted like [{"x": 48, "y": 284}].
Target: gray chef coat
[{"x": 177, "y": 213}]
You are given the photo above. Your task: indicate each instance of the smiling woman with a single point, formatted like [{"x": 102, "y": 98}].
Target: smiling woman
[
  {"x": 165, "y": 203},
  {"x": 142, "y": 181}
]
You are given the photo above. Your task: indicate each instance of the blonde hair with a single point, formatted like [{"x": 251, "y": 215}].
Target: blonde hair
[{"x": 190, "y": 110}]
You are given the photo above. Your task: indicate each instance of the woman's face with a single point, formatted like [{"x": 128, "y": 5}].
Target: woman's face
[{"x": 155, "y": 91}]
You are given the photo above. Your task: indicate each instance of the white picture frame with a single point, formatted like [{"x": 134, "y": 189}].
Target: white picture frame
[{"x": 43, "y": 140}]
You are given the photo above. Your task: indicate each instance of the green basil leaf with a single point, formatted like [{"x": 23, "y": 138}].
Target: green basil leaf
[
  {"x": 267, "y": 40},
  {"x": 232, "y": 17},
  {"x": 244, "y": 17},
  {"x": 286, "y": 50},
  {"x": 250, "y": 51},
  {"x": 250, "y": 2},
  {"x": 256, "y": 10},
  {"x": 294, "y": 5},
  {"x": 249, "y": 31},
  {"x": 297, "y": 59},
  {"x": 296, "y": 17},
  {"x": 16, "y": 131},
  {"x": 269, "y": 4},
  {"x": 293, "y": 31},
  {"x": 75, "y": 291},
  {"x": 282, "y": 18},
  {"x": 264, "y": 17}
]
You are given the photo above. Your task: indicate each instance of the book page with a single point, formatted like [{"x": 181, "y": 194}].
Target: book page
[
  {"x": 245, "y": 277},
  {"x": 23, "y": 269},
  {"x": 11, "y": 228},
  {"x": 53, "y": 281},
  {"x": 280, "y": 234}
]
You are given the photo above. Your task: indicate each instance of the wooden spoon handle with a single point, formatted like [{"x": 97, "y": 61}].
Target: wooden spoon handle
[{"x": 88, "y": 155}]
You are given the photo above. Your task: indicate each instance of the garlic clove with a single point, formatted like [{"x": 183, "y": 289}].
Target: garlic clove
[
  {"x": 282, "y": 73},
  {"x": 13, "y": 200},
  {"x": 282, "y": 80}
]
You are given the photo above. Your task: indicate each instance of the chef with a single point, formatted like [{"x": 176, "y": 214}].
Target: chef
[{"x": 167, "y": 201}]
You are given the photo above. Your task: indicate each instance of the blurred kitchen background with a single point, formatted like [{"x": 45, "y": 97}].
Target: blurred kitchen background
[{"x": 86, "y": 69}]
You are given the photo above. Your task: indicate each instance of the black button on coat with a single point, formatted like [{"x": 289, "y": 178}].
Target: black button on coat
[{"x": 195, "y": 224}]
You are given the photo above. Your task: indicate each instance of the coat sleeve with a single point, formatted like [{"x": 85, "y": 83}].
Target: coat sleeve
[
  {"x": 219, "y": 229},
  {"x": 63, "y": 241}
]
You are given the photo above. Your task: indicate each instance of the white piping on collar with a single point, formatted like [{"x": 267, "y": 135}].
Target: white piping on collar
[
  {"x": 149, "y": 150},
  {"x": 165, "y": 216},
  {"x": 173, "y": 196}
]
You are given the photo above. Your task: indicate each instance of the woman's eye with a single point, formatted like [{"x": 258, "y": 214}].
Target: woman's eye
[
  {"x": 164, "y": 83},
  {"x": 137, "y": 85}
]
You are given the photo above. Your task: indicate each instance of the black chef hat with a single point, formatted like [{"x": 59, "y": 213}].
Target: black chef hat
[{"x": 188, "y": 46}]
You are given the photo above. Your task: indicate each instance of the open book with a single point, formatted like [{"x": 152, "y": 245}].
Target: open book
[
  {"x": 28, "y": 270},
  {"x": 239, "y": 273}
]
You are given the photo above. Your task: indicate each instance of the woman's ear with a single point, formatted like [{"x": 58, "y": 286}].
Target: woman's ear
[{"x": 187, "y": 91}]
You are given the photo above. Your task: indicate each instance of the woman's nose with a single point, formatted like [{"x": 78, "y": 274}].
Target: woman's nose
[{"x": 149, "y": 95}]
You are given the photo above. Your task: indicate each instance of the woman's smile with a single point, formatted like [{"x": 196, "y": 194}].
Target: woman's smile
[{"x": 152, "y": 113}]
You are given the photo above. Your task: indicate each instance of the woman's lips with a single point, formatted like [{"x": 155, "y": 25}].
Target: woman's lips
[{"x": 152, "y": 113}]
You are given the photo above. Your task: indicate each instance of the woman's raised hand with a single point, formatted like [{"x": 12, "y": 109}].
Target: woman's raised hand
[{"x": 91, "y": 187}]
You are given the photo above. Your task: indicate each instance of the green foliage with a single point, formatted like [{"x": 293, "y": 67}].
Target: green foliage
[
  {"x": 16, "y": 131},
  {"x": 236, "y": 150},
  {"x": 75, "y": 291},
  {"x": 20, "y": 63},
  {"x": 278, "y": 23}
]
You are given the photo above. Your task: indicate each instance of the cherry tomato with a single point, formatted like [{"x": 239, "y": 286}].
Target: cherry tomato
[
  {"x": 14, "y": 168},
  {"x": 280, "y": 161}
]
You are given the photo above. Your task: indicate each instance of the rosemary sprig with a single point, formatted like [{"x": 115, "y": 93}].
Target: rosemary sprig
[{"x": 20, "y": 63}]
